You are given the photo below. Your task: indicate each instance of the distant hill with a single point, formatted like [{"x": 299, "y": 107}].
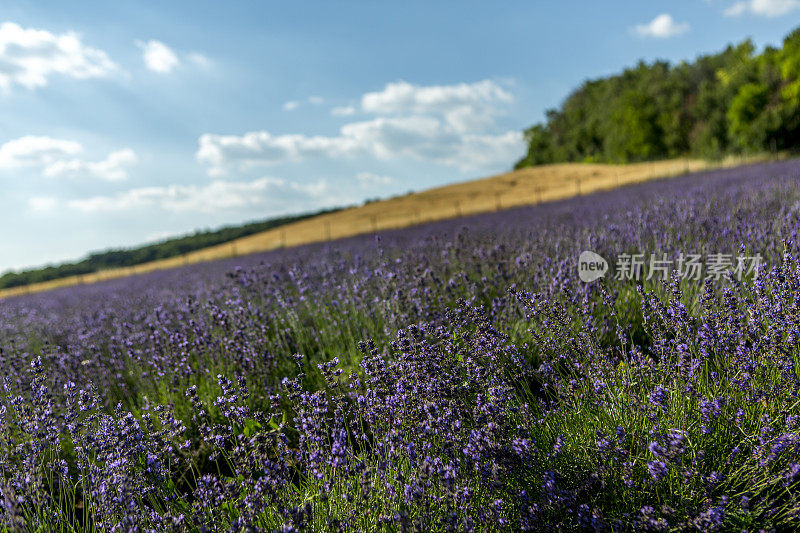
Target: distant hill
[
  {"x": 521, "y": 187},
  {"x": 733, "y": 102},
  {"x": 126, "y": 257}
]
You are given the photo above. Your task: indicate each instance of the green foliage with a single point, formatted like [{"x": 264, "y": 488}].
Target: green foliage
[
  {"x": 108, "y": 259},
  {"x": 746, "y": 108},
  {"x": 732, "y": 102}
]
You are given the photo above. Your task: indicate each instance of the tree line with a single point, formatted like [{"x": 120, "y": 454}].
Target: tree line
[
  {"x": 733, "y": 102},
  {"x": 124, "y": 257}
]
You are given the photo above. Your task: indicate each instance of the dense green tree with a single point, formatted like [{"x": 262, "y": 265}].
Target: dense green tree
[
  {"x": 735, "y": 101},
  {"x": 745, "y": 115}
]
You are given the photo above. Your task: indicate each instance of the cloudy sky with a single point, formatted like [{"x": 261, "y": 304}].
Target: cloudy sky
[{"x": 126, "y": 122}]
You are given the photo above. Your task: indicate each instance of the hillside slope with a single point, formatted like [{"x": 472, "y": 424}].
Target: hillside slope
[
  {"x": 164, "y": 249},
  {"x": 521, "y": 187}
]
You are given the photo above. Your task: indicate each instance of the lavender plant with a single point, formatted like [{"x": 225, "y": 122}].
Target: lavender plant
[{"x": 456, "y": 376}]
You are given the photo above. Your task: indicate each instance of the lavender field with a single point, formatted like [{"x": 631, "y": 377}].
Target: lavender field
[{"x": 450, "y": 377}]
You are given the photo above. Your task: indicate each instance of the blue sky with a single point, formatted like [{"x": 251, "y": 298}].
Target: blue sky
[{"x": 123, "y": 123}]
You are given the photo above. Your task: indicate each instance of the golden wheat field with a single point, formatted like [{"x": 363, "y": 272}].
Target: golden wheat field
[{"x": 521, "y": 187}]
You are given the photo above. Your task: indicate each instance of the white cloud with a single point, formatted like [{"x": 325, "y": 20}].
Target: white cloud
[
  {"x": 160, "y": 236},
  {"x": 28, "y": 57},
  {"x": 33, "y": 151},
  {"x": 465, "y": 106},
  {"x": 163, "y": 59},
  {"x": 445, "y": 124},
  {"x": 404, "y": 97},
  {"x": 158, "y": 57},
  {"x": 112, "y": 168},
  {"x": 416, "y": 137},
  {"x": 262, "y": 148},
  {"x": 291, "y": 105},
  {"x": 735, "y": 10},
  {"x": 265, "y": 193},
  {"x": 42, "y": 204},
  {"x": 199, "y": 59},
  {"x": 489, "y": 151},
  {"x": 343, "y": 111},
  {"x": 385, "y": 137},
  {"x": 57, "y": 157},
  {"x": 368, "y": 179},
  {"x": 661, "y": 27},
  {"x": 764, "y": 8},
  {"x": 429, "y": 139}
]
